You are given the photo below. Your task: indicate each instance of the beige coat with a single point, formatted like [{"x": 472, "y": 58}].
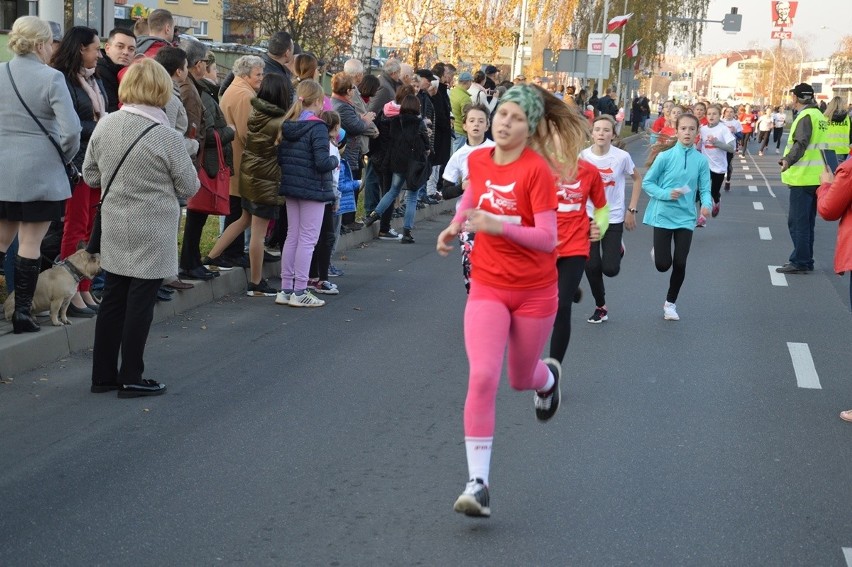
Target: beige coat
[
  {"x": 140, "y": 215},
  {"x": 236, "y": 106}
]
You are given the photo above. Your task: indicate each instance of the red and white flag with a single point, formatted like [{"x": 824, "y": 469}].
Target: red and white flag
[
  {"x": 618, "y": 22},
  {"x": 633, "y": 50}
]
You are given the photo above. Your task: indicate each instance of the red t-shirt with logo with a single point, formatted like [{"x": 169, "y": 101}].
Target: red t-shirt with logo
[
  {"x": 571, "y": 217},
  {"x": 515, "y": 192}
]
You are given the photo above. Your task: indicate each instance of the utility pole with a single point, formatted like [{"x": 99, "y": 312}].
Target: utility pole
[
  {"x": 620, "y": 56},
  {"x": 603, "y": 49},
  {"x": 519, "y": 54}
]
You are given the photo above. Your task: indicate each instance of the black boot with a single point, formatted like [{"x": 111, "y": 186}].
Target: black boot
[
  {"x": 407, "y": 238},
  {"x": 26, "y": 277}
]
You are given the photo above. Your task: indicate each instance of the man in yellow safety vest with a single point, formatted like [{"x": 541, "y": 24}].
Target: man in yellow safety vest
[{"x": 801, "y": 168}]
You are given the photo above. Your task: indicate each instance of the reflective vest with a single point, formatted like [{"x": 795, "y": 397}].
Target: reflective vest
[
  {"x": 807, "y": 170},
  {"x": 837, "y": 138}
]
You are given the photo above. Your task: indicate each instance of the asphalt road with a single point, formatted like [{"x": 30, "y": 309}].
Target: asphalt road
[{"x": 333, "y": 436}]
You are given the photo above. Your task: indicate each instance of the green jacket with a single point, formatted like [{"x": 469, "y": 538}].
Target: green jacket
[
  {"x": 459, "y": 97},
  {"x": 260, "y": 174}
]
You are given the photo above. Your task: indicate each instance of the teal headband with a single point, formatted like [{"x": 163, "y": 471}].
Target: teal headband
[{"x": 530, "y": 101}]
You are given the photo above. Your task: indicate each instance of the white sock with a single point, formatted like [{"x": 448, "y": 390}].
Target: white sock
[
  {"x": 478, "y": 457},
  {"x": 549, "y": 384}
]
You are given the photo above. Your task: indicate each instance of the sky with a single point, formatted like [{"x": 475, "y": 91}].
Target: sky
[{"x": 811, "y": 15}]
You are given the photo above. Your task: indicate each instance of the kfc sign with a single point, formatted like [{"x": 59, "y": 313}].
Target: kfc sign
[{"x": 783, "y": 13}]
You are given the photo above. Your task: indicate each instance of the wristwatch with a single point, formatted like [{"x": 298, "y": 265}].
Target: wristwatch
[{"x": 634, "y": 211}]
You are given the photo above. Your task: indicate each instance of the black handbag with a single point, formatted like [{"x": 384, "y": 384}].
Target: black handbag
[
  {"x": 94, "y": 245},
  {"x": 71, "y": 170}
]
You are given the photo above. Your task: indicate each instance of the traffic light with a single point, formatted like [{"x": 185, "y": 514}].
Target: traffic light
[{"x": 732, "y": 22}]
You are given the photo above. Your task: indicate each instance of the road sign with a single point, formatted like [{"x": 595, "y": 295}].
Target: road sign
[
  {"x": 609, "y": 44},
  {"x": 571, "y": 61},
  {"x": 593, "y": 67}
]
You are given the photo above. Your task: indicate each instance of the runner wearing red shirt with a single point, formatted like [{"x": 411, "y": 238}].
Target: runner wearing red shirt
[
  {"x": 746, "y": 119},
  {"x": 511, "y": 203}
]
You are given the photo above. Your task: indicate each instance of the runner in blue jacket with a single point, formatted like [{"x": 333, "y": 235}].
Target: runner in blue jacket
[{"x": 671, "y": 182}]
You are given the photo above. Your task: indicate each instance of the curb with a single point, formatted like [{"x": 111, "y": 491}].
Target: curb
[{"x": 27, "y": 351}]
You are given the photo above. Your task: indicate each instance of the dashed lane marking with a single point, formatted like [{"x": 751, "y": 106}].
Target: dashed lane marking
[
  {"x": 745, "y": 168},
  {"x": 748, "y": 177},
  {"x": 764, "y": 232},
  {"x": 778, "y": 280},
  {"x": 803, "y": 364},
  {"x": 752, "y": 188},
  {"x": 758, "y": 206},
  {"x": 760, "y": 171}
]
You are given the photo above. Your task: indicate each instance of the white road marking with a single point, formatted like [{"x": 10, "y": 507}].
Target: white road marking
[
  {"x": 748, "y": 177},
  {"x": 745, "y": 168},
  {"x": 803, "y": 364},
  {"x": 764, "y": 233},
  {"x": 778, "y": 280},
  {"x": 768, "y": 186},
  {"x": 752, "y": 188},
  {"x": 743, "y": 161},
  {"x": 758, "y": 206},
  {"x": 847, "y": 554}
]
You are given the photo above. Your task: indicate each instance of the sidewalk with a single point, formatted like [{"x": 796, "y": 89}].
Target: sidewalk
[{"x": 20, "y": 353}]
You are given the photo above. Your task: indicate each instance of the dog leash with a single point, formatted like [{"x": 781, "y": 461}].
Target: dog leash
[{"x": 72, "y": 269}]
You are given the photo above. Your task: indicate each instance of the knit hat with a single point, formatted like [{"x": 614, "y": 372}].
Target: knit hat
[{"x": 530, "y": 101}]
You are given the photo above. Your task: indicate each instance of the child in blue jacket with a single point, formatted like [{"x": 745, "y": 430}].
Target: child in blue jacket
[{"x": 671, "y": 182}]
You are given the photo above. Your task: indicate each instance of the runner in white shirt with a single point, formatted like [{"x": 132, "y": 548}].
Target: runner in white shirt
[
  {"x": 764, "y": 128},
  {"x": 475, "y": 124},
  {"x": 729, "y": 119},
  {"x": 717, "y": 141},
  {"x": 779, "y": 119},
  {"x": 614, "y": 166}
]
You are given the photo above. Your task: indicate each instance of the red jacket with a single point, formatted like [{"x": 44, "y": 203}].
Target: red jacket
[{"x": 834, "y": 201}]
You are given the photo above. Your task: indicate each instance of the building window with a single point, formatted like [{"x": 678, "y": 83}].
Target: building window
[
  {"x": 172, "y": 1},
  {"x": 89, "y": 13},
  {"x": 201, "y": 29},
  {"x": 200, "y": 1},
  {"x": 10, "y": 10}
]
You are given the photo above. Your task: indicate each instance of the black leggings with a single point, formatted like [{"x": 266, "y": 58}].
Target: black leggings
[
  {"x": 776, "y": 136},
  {"x": 663, "y": 259},
  {"x": 716, "y": 180},
  {"x": 570, "y": 271},
  {"x": 764, "y": 139},
  {"x": 744, "y": 143},
  {"x": 321, "y": 258},
  {"x": 730, "y": 167},
  {"x": 604, "y": 260}
]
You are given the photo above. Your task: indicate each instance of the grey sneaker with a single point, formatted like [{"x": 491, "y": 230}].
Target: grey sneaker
[
  {"x": 306, "y": 299},
  {"x": 474, "y": 501}
]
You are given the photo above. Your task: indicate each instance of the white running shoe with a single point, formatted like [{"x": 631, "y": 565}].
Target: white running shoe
[
  {"x": 282, "y": 298},
  {"x": 474, "y": 501},
  {"x": 670, "y": 312},
  {"x": 306, "y": 299}
]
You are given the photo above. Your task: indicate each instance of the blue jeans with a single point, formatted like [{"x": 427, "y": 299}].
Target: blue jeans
[
  {"x": 459, "y": 141},
  {"x": 397, "y": 184},
  {"x": 371, "y": 182},
  {"x": 800, "y": 221}
]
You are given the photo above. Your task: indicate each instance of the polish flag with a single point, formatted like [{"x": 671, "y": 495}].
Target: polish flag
[
  {"x": 633, "y": 50},
  {"x": 618, "y": 22}
]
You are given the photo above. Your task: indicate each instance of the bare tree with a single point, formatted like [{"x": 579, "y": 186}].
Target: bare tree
[{"x": 364, "y": 30}]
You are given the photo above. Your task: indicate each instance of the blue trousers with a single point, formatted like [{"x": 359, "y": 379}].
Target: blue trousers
[{"x": 800, "y": 221}]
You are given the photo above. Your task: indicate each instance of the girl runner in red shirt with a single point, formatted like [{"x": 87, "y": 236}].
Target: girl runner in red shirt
[{"x": 511, "y": 204}]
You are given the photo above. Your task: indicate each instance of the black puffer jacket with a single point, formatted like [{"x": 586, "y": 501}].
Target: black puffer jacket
[
  {"x": 86, "y": 114},
  {"x": 260, "y": 174},
  {"x": 214, "y": 120},
  {"x": 306, "y": 164}
]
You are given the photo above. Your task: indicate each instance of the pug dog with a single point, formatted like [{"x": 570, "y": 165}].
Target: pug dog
[{"x": 57, "y": 286}]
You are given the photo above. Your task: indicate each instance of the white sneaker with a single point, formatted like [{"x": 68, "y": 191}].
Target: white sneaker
[
  {"x": 306, "y": 299},
  {"x": 475, "y": 500},
  {"x": 670, "y": 312},
  {"x": 282, "y": 298}
]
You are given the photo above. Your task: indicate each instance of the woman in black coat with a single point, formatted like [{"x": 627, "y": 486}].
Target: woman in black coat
[
  {"x": 408, "y": 160},
  {"x": 77, "y": 58}
]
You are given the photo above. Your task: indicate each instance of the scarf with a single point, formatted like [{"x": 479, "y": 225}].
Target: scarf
[
  {"x": 152, "y": 113},
  {"x": 87, "y": 81}
]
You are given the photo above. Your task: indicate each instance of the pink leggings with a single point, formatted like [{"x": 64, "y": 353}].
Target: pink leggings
[
  {"x": 493, "y": 318},
  {"x": 304, "y": 219}
]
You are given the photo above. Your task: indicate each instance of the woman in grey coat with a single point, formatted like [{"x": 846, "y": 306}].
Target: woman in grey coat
[
  {"x": 139, "y": 220},
  {"x": 35, "y": 184}
]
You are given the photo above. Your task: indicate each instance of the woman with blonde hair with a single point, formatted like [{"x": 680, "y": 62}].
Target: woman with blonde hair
[
  {"x": 511, "y": 202},
  {"x": 32, "y": 194},
  {"x": 839, "y": 136},
  {"x": 144, "y": 169},
  {"x": 307, "y": 183}
]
